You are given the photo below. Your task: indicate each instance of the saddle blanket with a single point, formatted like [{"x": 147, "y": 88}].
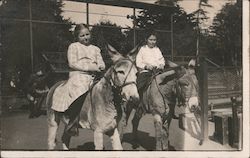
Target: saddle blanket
[{"x": 69, "y": 91}]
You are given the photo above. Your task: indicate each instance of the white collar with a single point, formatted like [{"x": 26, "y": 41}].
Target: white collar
[{"x": 149, "y": 47}]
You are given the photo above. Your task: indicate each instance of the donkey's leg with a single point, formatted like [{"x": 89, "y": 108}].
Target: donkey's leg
[
  {"x": 98, "y": 139},
  {"x": 53, "y": 124},
  {"x": 115, "y": 140},
  {"x": 160, "y": 135},
  {"x": 121, "y": 119},
  {"x": 65, "y": 137},
  {"x": 158, "y": 131},
  {"x": 65, "y": 140},
  {"x": 165, "y": 133},
  {"x": 121, "y": 125},
  {"x": 166, "y": 120},
  {"x": 135, "y": 123}
]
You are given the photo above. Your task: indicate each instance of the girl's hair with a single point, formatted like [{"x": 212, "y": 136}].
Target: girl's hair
[
  {"x": 149, "y": 33},
  {"x": 78, "y": 28}
]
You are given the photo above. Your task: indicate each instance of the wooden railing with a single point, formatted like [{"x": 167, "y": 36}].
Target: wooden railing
[{"x": 57, "y": 60}]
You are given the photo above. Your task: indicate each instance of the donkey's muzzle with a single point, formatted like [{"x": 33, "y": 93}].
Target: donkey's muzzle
[{"x": 134, "y": 99}]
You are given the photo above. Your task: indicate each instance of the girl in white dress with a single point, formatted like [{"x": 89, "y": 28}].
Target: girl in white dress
[
  {"x": 149, "y": 58},
  {"x": 84, "y": 60}
]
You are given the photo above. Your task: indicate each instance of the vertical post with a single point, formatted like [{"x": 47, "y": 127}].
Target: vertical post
[
  {"x": 87, "y": 13},
  {"x": 197, "y": 46},
  {"x": 203, "y": 82},
  {"x": 197, "y": 43},
  {"x": 172, "y": 38},
  {"x": 31, "y": 37},
  {"x": 198, "y": 34},
  {"x": 134, "y": 23},
  {"x": 235, "y": 124}
]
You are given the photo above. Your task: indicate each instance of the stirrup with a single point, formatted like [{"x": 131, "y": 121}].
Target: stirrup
[{"x": 73, "y": 131}]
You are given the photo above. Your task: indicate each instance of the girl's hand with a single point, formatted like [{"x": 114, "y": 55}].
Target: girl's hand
[
  {"x": 149, "y": 67},
  {"x": 101, "y": 68},
  {"x": 161, "y": 66},
  {"x": 98, "y": 70},
  {"x": 93, "y": 67}
]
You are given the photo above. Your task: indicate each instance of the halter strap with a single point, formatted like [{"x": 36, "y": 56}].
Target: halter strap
[
  {"x": 187, "y": 97},
  {"x": 124, "y": 84},
  {"x": 196, "y": 88}
]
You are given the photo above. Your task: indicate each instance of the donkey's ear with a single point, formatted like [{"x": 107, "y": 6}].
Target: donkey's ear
[
  {"x": 192, "y": 63},
  {"x": 132, "y": 54},
  {"x": 113, "y": 53},
  {"x": 180, "y": 71}
]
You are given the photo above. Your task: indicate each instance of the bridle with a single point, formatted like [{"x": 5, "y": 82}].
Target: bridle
[
  {"x": 185, "y": 97},
  {"x": 116, "y": 88},
  {"x": 112, "y": 80}
]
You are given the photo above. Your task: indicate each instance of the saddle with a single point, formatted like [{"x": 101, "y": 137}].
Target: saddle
[
  {"x": 144, "y": 79},
  {"x": 73, "y": 112}
]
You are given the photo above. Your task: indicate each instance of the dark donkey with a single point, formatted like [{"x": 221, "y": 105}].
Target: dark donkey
[
  {"x": 160, "y": 97},
  {"x": 34, "y": 86}
]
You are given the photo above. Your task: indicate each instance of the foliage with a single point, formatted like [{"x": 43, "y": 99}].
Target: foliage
[
  {"x": 107, "y": 32},
  {"x": 227, "y": 34},
  {"x": 48, "y": 32},
  {"x": 160, "y": 20},
  {"x": 201, "y": 14}
]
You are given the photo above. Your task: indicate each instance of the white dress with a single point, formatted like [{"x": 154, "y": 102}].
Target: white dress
[
  {"x": 150, "y": 56},
  {"x": 79, "y": 82}
]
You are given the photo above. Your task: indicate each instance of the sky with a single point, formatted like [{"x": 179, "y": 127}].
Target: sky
[
  {"x": 192, "y": 5},
  {"x": 117, "y": 15},
  {"x": 77, "y": 11}
]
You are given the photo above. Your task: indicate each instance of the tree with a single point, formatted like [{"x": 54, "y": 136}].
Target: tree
[
  {"x": 50, "y": 32},
  {"x": 227, "y": 32},
  {"x": 160, "y": 19},
  {"x": 199, "y": 17},
  {"x": 108, "y": 32}
]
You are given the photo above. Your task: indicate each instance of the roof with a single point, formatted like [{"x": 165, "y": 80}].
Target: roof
[{"x": 125, "y": 3}]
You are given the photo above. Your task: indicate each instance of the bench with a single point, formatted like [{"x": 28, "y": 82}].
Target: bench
[{"x": 228, "y": 124}]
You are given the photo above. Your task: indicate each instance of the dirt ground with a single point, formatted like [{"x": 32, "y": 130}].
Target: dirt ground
[{"x": 18, "y": 132}]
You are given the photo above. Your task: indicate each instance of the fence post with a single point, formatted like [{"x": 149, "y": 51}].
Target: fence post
[
  {"x": 203, "y": 84},
  {"x": 235, "y": 125},
  {"x": 134, "y": 26},
  {"x": 87, "y": 13},
  {"x": 31, "y": 37},
  {"x": 172, "y": 37}
]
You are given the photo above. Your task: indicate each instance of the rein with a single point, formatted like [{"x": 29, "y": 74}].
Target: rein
[
  {"x": 154, "y": 78},
  {"x": 115, "y": 88}
]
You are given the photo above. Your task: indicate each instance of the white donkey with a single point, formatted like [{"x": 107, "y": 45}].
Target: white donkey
[{"x": 99, "y": 111}]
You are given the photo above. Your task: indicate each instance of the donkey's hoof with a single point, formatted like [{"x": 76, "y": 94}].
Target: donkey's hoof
[
  {"x": 135, "y": 146},
  {"x": 201, "y": 142},
  {"x": 51, "y": 146},
  {"x": 65, "y": 147}
]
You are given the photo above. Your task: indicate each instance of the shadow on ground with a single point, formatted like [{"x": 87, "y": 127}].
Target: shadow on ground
[
  {"x": 144, "y": 140},
  {"x": 88, "y": 146}
]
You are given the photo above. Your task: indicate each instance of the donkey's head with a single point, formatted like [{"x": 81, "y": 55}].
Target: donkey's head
[
  {"x": 123, "y": 75},
  {"x": 188, "y": 88}
]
